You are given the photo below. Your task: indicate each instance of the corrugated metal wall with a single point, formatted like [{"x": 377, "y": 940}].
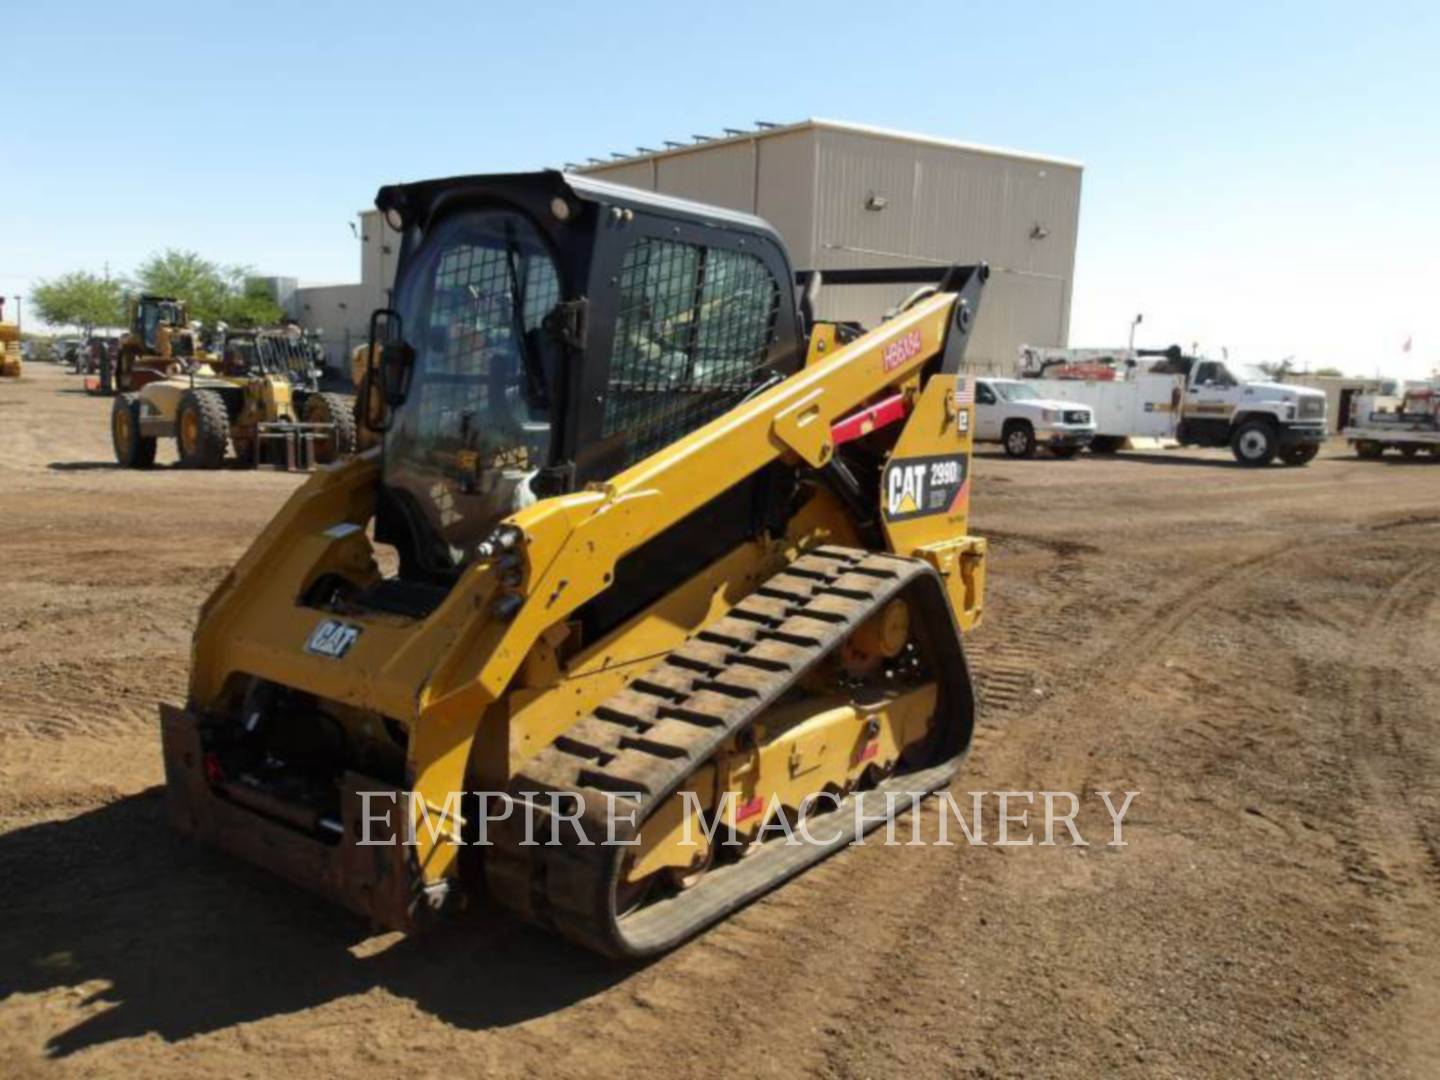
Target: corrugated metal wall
[
  {"x": 822, "y": 185},
  {"x": 946, "y": 204}
]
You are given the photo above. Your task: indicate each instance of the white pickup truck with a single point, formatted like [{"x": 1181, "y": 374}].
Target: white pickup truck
[
  {"x": 1411, "y": 425},
  {"x": 1165, "y": 394},
  {"x": 1013, "y": 413}
]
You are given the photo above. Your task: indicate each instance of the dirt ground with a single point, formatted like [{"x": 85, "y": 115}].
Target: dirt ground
[{"x": 1254, "y": 652}]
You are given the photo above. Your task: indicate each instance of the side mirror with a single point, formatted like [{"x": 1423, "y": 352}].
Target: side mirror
[
  {"x": 397, "y": 365},
  {"x": 389, "y": 365}
]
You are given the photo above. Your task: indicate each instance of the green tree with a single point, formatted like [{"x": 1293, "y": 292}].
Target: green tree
[
  {"x": 186, "y": 276},
  {"x": 213, "y": 293},
  {"x": 250, "y": 305},
  {"x": 1277, "y": 371},
  {"x": 80, "y": 299},
  {"x": 1332, "y": 372}
]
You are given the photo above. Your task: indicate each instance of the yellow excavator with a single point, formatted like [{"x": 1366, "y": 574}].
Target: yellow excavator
[{"x": 676, "y": 576}]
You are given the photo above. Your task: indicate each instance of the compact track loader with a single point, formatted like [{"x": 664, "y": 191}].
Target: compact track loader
[{"x": 678, "y": 568}]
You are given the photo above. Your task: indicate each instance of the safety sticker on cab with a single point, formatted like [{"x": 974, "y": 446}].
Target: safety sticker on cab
[{"x": 918, "y": 486}]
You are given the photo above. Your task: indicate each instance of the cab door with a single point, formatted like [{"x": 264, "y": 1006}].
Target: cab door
[
  {"x": 1209, "y": 402},
  {"x": 987, "y": 412}
]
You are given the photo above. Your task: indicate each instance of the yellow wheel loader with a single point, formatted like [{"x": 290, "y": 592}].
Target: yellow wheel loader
[
  {"x": 678, "y": 580},
  {"x": 160, "y": 343},
  {"x": 261, "y": 399},
  {"x": 10, "y": 357}
]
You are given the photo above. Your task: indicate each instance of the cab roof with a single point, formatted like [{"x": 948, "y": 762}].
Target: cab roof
[{"x": 417, "y": 202}]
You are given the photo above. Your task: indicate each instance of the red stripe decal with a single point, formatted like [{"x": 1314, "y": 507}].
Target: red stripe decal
[
  {"x": 746, "y": 810},
  {"x": 868, "y": 419}
]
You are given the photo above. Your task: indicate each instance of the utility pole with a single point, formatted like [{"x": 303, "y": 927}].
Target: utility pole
[
  {"x": 18, "y": 324},
  {"x": 1134, "y": 323}
]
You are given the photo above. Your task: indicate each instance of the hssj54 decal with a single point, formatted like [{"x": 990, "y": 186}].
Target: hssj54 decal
[{"x": 918, "y": 486}]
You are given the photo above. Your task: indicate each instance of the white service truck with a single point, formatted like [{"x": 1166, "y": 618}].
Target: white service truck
[
  {"x": 1411, "y": 426},
  {"x": 1013, "y": 413},
  {"x": 1165, "y": 394}
]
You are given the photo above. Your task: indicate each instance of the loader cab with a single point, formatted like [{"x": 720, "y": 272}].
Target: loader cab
[
  {"x": 153, "y": 312},
  {"x": 550, "y": 331}
]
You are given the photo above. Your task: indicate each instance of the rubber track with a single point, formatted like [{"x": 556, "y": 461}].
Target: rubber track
[{"x": 652, "y": 736}]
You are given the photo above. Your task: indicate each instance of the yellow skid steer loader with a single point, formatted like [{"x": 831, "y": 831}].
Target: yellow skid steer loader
[{"x": 676, "y": 569}]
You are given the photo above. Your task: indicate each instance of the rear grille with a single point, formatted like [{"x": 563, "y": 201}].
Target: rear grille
[
  {"x": 1312, "y": 408},
  {"x": 1077, "y": 416}
]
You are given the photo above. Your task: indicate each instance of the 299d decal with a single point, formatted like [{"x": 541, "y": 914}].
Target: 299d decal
[{"x": 918, "y": 486}]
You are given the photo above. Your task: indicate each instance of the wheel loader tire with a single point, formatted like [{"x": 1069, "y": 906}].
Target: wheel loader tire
[
  {"x": 1409, "y": 452},
  {"x": 1299, "y": 455},
  {"x": 1019, "y": 439},
  {"x": 132, "y": 450},
  {"x": 1369, "y": 449},
  {"x": 1106, "y": 444},
  {"x": 695, "y": 709},
  {"x": 1254, "y": 444},
  {"x": 334, "y": 409},
  {"x": 202, "y": 429},
  {"x": 1064, "y": 453}
]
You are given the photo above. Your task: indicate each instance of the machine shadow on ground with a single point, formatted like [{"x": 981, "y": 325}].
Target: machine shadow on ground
[
  {"x": 189, "y": 942},
  {"x": 173, "y": 466},
  {"x": 1168, "y": 457}
]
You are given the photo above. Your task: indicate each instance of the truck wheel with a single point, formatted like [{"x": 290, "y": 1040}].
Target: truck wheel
[
  {"x": 1253, "y": 443},
  {"x": 1299, "y": 455},
  {"x": 1408, "y": 452},
  {"x": 132, "y": 450},
  {"x": 1019, "y": 439},
  {"x": 1065, "y": 453},
  {"x": 1105, "y": 444},
  {"x": 1369, "y": 449},
  {"x": 332, "y": 409},
  {"x": 202, "y": 428}
]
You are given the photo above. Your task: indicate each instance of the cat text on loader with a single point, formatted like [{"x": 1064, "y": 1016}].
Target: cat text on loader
[{"x": 671, "y": 553}]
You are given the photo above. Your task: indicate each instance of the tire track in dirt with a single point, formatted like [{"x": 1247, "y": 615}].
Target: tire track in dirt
[
  {"x": 1394, "y": 852},
  {"x": 914, "y": 954}
]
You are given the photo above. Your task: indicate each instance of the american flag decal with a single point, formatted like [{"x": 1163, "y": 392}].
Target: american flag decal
[{"x": 965, "y": 392}]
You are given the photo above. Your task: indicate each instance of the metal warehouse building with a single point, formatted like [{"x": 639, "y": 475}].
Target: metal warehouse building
[
  {"x": 845, "y": 195},
  {"x": 841, "y": 195}
]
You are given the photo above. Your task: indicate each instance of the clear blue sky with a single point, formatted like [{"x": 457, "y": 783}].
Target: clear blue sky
[{"x": 1257, "y": 176}]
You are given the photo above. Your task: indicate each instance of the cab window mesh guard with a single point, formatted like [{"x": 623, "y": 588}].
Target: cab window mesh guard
[
  {"x": 692, "y": 333},
  {"x": 471, "y": 358}
]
